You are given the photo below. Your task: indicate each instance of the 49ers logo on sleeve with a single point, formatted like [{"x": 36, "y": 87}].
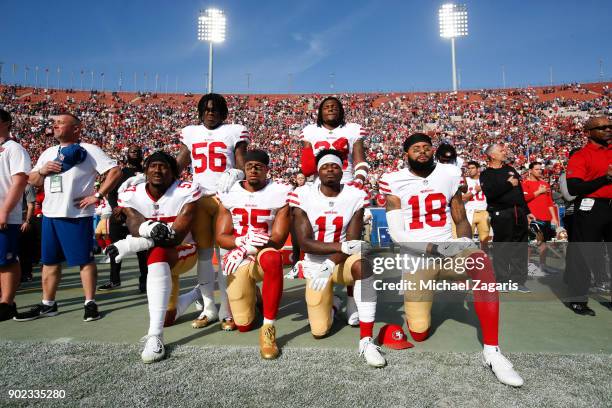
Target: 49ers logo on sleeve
[{"x": 209, "y": 156}]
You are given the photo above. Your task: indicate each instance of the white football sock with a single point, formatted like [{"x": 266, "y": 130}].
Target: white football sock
[
  {"x": 48, "y": 302},
  {"x": 206, "y": 278},
  {"x": 159, "y": 286},
  {"x": 186, "y": 299},
  {"x": 490, "y": 349},
  {"x": 365, "y": 298},
  {"x": 268, "y": 321},
  {"x": 224, "y": 308}
]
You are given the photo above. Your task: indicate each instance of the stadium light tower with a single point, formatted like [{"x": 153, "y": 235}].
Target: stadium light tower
[
  {"x": 211, "y": 28},
  {"x": 453, "y": 24}
]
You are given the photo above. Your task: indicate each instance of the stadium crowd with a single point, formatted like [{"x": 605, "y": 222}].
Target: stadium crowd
[{"x": 532, "y": 126}]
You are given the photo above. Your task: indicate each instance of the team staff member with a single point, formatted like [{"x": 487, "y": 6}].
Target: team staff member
[
  {"x": 541, "y": 205},
  {"x": 14, "y": 167},
  {"x": 509, "y": 214},
  {"x": 68, "y": 172},
  {"x": 589, "y": 177}
]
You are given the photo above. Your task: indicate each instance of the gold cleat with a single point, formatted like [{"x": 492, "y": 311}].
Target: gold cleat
[
  {"x": 228, "y": 324},
  {"x": 267, "y": 342},
  {"x": 201, "y": 322}
]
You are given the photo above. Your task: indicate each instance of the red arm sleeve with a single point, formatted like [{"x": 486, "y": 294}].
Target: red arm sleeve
[{"x": 308, "y": 161}]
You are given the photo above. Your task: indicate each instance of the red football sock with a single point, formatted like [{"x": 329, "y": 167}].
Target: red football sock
[
  {"x": 271, "y": 261},
  {"x": 366, "y": 329},
  {"x": 101, "y": 243},
  {"x": 486, "y": 303},
  {"x": 107, "y": 242},
  {"x": 419, "y": 336}
]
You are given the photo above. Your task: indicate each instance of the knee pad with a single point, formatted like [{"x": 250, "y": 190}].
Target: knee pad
[
  {"x": 319, "y": 305},
  {"x": 241, "y": 295}
]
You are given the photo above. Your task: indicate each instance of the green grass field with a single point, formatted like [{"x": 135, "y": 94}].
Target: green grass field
[{"x": 565, "y": 359}]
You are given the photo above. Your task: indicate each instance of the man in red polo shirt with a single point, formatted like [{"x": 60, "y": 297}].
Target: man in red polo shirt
[
  {"x": 589, "y": 177},
  {"x": 540, "y": 203}
]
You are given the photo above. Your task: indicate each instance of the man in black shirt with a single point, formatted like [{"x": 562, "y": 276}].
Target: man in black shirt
[
  {"x": 117, "y": 228},
  {"x": 510, "y": 217}
]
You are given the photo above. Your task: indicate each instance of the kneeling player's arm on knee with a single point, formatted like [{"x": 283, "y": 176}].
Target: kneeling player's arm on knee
[
  {"x": 181, "y": 225},
  {"x": 133, "y": 221},
  {"x": 224, "y": 229},
  {"x": 280, "y": 229},
  {"x": 460, "y": 217},
  {"x": 304, "y": 235}
]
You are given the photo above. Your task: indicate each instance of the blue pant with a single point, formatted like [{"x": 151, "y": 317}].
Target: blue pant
[
  {"x": 9, "y": 244},
  {"x": 67, "y": 239}
]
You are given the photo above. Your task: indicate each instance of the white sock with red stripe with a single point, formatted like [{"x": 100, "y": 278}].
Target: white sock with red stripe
[
  {"x": 159, "y": 285},
  {"x": 365, "y": 299},
  {"x": 206, "y": 280}
]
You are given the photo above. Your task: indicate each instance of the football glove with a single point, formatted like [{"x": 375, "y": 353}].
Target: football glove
[
  {"x": 455, "y": 246},
  {"x": 354, "y": 247},
  {"x": 233, "y": 259},
  {"x": 357, "y": 183},
  {"x": 228, "y": 178},
  {"x": 319, "y": 275},
  {"x": 128, "y": 246},
  {"x": 146, "y": 227},
  {"x": 253, "y": 238},
  {"x": 160, "y": 232}
]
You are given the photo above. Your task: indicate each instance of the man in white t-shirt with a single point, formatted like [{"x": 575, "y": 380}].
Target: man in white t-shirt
[
  {"x": 14, "y": 168},
  {"x": 68, "y": 172}
]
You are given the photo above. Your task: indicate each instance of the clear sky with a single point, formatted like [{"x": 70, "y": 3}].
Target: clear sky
[{"x": 297, "y": 45}]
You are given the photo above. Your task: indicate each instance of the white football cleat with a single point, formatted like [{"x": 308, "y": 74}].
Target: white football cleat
[
  {"x": 502, "y": 368},
  {"x": 153, "y": 349},
  {"x": 352, "y": 315},
  {"x": 371, "y": 353},
  {"x": 534, "y": 270},
  {"x": 199, "y": 305}
]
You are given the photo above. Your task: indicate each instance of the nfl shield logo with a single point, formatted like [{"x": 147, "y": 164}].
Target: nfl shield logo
[{"x": 331, "y": 203}]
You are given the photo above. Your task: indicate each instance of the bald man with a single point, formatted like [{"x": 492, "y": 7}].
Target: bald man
[{"x": 589, "y": 177}]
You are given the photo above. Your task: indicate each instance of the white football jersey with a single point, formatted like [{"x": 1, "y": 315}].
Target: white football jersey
[
  {"x": 341, "y": 138},
  {"x": 478, "y": 200},
  {"x": 255, "y": 210},
  {"x": 328, "y": 216},
  {"x": 165, "y": 209},
  {"x": 212, "y": 151},
  {"x": 425, "y": 201}
]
